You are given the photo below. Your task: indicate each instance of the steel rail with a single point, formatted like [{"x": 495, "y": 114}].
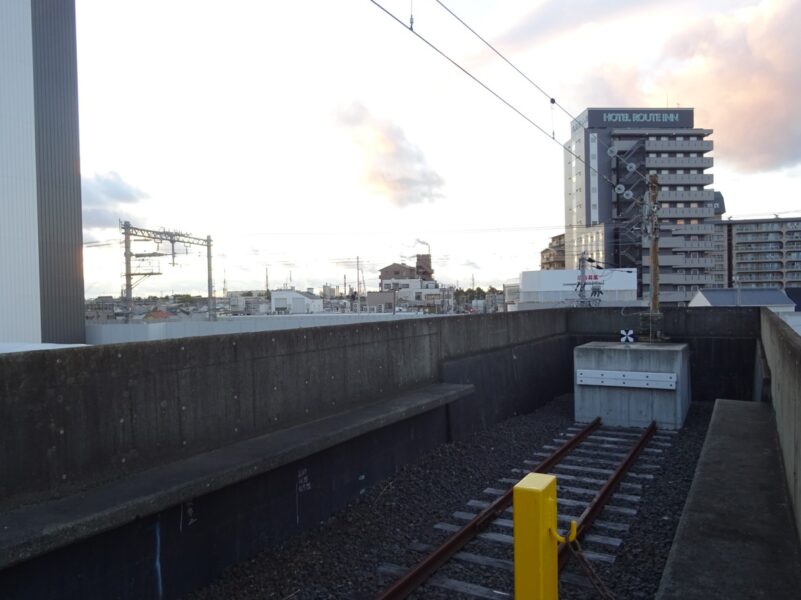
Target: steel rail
[
  {"x": 418, "y": 574},
  {"x": 607, "y": 491}
]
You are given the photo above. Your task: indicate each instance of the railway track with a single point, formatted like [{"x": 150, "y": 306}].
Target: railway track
[{"x": 601, "y": 472}]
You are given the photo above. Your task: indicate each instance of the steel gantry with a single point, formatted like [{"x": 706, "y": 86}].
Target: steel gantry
[{"x": 170, "y": 237}]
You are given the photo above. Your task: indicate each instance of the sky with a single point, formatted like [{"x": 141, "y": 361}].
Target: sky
[{"x": 303, "y": 134}]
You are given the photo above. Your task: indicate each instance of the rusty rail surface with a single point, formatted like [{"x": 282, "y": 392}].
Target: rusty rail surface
[
  {"x": 605, "y": 493},
  {"x": 418, "y": 574}
]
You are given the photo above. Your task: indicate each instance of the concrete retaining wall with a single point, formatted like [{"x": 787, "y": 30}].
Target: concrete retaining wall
[
  {"x": 783, "y": 351},
  {"x": 73, "y": 418},
  {"x": 510, "y": 381},
  {"x": 722, "y": 343},
  {"x": 149, "y": 331}
]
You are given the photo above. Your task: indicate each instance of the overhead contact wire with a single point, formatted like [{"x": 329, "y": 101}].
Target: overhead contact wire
[
  {"x": 551, "y": 98},
  {"x": 490, "y": 90}
]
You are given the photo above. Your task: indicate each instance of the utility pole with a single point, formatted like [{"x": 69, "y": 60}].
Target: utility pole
[
  {"x": 266, "y": 281},
  {"x": 358, "y": 288},
  {"x": 652, "y": 227},
  {"x": 582, "y": 283},
  {"x": 126, "y": 231},
  {"x": 212, "y": 307}
]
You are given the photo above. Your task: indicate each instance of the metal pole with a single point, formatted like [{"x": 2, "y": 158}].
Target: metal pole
[
  {"x": 212, "y": 311},
  {"x": 358, "y": 288},
  {"x": 126, "y": 230},
  {"x": 654, "y": 222}
]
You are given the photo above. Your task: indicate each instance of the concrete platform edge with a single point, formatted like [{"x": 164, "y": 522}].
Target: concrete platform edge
[
  {"x": 736, "y": 537},
  {"x": 34, "y": 530}
]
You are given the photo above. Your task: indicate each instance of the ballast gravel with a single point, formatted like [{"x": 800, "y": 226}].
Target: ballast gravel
[{"x": 340, "y": 558}]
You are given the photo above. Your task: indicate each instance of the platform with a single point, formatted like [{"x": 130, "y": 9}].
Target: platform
[
  {"x": 736, "y": 538},
  {"x": 34, "y": 530}
]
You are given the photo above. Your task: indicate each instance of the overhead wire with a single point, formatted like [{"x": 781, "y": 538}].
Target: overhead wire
[
  {"x": 511, "y": 106},
  {"x": 552, "y": 99}
]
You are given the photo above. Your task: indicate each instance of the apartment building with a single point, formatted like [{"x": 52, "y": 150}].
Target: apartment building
[
  {"x": 762, "y": 253},
  {"x": 553, "y": 257}
]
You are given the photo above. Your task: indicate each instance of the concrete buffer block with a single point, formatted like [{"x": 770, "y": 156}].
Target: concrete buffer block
[{"x": 630, "y": 385}]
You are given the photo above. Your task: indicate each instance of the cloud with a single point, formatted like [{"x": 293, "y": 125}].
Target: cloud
[
  {"x": 103, "y": 198},
  {"x": 554, "y": 16},
  {"x": 394, "y": 166},
  {"x": 744, "y": 77},
  {"x": 471, "y": 264},
  {"x": 741, "y": 71}
]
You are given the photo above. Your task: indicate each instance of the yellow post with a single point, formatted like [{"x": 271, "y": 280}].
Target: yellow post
[{"x": 536, "y": 558}]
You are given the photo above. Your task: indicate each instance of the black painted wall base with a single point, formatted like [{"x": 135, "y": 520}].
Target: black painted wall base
[{"x": 180, "y": 549}]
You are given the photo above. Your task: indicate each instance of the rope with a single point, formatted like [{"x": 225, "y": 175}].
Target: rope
[{"x": 595, "y": 579}]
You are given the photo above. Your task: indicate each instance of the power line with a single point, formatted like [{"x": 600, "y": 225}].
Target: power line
[
  {"x": 97, "y": 243},
  {"x": 491, "y": 91},
  {"x": 552, "y": 100}
]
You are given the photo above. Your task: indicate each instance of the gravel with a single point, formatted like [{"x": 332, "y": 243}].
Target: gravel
[{"x": 340, "y": 558}]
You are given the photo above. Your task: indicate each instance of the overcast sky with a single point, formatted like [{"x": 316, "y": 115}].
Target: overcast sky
[{"x": 302, "y": 134}]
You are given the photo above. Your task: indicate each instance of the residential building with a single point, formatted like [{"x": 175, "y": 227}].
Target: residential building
[
  {"x": 414, "y": 287},
  {"x": 397, "y": 271},
  {"x": 762, "y": 253},
  {"x": 553, "y": 257},
  {"x": 421, "y": 270},
  {"x": 292, "y": 302},
  {"x": 418, "y": 293},
  {"x": 608, "y": 159},
  {"x": 381, "y": 302}
]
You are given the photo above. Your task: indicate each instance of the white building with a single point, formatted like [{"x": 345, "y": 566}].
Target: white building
[
  {"x": 538, "y": 289},
  {"x": 418, "y": 293},
  {"x": 293, "y": 302}
]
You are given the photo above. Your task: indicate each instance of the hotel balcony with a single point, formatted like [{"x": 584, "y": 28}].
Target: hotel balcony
[
  {"x": 668, "y": 212},
  {"x": 678, "y": 145},
  {"x": 686, "y": 178},
  {"x": 686, "y": 195},
  {"x": 678, "y": 162}
]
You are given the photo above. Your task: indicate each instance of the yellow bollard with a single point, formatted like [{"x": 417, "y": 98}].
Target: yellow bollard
[{"x": 536, "y": 558}]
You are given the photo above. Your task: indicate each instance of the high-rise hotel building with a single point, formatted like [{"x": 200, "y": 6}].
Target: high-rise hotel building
[{"x": 610, "y": 154}]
